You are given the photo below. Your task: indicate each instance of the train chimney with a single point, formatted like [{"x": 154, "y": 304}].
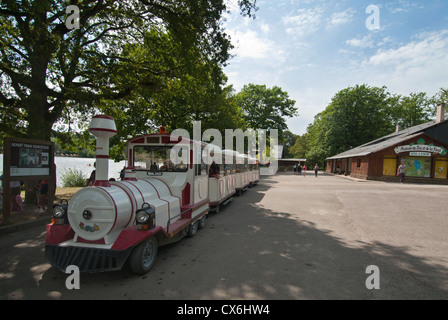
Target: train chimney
[
  {"x": 103, "y": 128},
  {"x": 440, "y": 113}
]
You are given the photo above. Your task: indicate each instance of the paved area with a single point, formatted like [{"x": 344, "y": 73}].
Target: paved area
[{"x": 290, "y": 237}]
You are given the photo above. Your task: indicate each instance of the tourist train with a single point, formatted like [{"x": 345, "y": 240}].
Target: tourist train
[{"x": 170, "y": 186}]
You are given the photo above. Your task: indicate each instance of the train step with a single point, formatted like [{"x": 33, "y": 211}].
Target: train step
[{"x": 178, "y": 226}]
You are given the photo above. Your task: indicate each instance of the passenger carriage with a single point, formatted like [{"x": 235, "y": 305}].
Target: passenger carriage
[
  {"x": 221, "y": 181},
  {"x": 242, "y": 180},
  {"x": 254, "y": 171}
]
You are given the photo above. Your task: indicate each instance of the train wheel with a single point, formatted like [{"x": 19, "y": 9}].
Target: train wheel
[
  {"x": 193, "y": 229},
  {"x": 202, "y": 221},
  {"x": 143, "y": 257}
]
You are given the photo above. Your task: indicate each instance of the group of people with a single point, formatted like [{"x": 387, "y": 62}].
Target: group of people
[
  {"x": 16, "y": 198},
  {"x": 299, "y": 169}
]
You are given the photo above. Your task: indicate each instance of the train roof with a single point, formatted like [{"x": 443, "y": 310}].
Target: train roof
[{"x": 163, "y": 138}]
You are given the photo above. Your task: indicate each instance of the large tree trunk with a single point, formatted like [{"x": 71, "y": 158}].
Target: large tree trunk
[{"x": 39, "y": 125}]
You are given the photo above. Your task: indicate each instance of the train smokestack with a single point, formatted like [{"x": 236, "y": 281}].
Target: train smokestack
[{"x": 103, "y": 128}]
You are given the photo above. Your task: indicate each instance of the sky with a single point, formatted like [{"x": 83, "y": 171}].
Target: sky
[{"x": 314, "y": 48}]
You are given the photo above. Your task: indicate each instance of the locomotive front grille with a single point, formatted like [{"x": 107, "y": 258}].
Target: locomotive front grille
[{"x": 86, "y": 259}]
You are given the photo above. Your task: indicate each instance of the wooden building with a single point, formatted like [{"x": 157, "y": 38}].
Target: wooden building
[{"x": 423, "y": 149}]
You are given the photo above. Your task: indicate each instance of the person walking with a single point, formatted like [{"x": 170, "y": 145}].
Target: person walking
[
  {"x": 316, "y": 168},
  {"x": 92, "y": 177},
  {"x": 401, "y": 171},
  {"x": 16, "y": 200},
  {"x": 304, "y": 170}
]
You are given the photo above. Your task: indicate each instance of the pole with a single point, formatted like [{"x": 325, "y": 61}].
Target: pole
[{"x": 7, "y": 205}]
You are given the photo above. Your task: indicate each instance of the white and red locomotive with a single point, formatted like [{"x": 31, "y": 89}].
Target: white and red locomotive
[{"x": 160, "y": 200}]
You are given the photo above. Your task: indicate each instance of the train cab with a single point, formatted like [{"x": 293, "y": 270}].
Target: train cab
[{"x": 175, "y": 161}]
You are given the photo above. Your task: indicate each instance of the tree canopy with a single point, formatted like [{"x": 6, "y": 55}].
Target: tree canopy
[
  {"x": 265, "y": 108},
  {"x": 122, "y": 49}
]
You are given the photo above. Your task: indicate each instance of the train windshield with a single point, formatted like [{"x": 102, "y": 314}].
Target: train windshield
[{"x": 160, "y": 158}]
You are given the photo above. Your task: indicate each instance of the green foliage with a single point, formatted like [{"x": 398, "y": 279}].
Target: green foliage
[
  {"x": 122, "y": 50},
  {"x": 299, "y": 148},
  {"x": 73, "y": 178},
  {"x": 355, "y": 115},
  {"x": 265, "y": 108},
  {"x": 288, "y": 142},
  {"x": 412, "y": 110},
  {"x": 440, "y": 97}
]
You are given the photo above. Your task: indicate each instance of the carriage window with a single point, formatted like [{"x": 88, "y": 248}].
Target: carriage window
[
  {"x": 159, "y": 158},
  {"x": 197, "y": 169},
  {"x": 202, "y": 168}
]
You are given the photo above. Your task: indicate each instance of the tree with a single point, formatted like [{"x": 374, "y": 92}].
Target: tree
[
  {"x": 355, "y": 116},
  {"x": 265, "y": 108},
  {"x": 299, "y": 148},
  {"x": 412, "y": 110},
  {"x": 438, "y": 98},
  {"x": 288, "y": 141},
  {"x": 48, "y": 71}
]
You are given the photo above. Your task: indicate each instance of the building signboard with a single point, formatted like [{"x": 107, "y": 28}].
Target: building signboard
[
  {"x": 421, "y": 147},
  {"x": 420, "y": 154}
]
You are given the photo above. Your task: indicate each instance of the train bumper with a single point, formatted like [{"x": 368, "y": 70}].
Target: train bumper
[{"x": 87, "y": 259}]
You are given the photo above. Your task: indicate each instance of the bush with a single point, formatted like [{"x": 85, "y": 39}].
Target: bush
[{"x": 73, "y": 178}]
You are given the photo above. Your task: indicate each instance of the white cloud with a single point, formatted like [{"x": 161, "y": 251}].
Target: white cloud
[
  {"x": 428, "y": 51},
  {"x": 404, "y": 6},
  {"x": 340, "y": 18},
  {"x": 304, "y": 23},
  {"x": 249, "y": 45},
  {"x": 364, "y": 42},
  {"x": 419, "y": 66},
  {"x": 265, "y": 28}
]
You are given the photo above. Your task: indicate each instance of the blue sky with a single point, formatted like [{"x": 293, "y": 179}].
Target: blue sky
[{"x": 314, "y": 48}]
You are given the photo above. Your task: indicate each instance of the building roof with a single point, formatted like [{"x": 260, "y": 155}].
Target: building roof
[
  {"x": 292, "y": 160},
  {"x": 387, "y": 141}
]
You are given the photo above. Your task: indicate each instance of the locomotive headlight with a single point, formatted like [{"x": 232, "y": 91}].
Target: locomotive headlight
[
  {"x": 145, "y": 217},
  {"x": 142, "y": 216},
  {"x": 60, "y": 213}
]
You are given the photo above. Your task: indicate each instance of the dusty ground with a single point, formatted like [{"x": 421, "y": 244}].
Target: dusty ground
[{"x": 31, "y": 211}]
